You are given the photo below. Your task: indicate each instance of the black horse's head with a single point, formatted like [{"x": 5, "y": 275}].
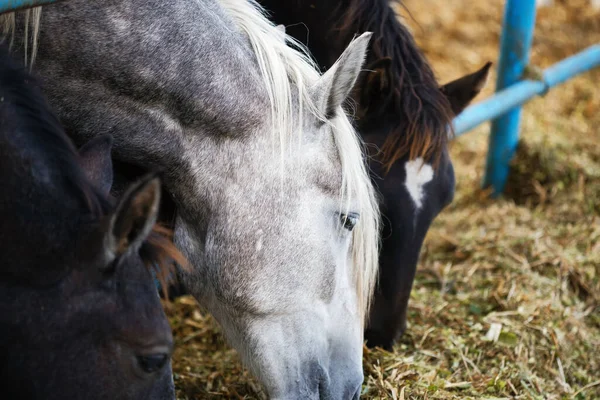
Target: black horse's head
[
  {"x": 414, "y": 188},
  {"x": 79, "y": 312}
]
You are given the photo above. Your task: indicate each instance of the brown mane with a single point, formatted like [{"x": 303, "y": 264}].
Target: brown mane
[
  {"x": 161, "y": 256},
  {"x": 158, "y": 252},
  {"x": 423, "y": 115}
]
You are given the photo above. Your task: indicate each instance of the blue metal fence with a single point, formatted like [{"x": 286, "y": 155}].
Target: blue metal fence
[
  {"x": 512, "y": 91},
  {"x": 515, "y": 45},
  {"x": 519, "y": 93}
]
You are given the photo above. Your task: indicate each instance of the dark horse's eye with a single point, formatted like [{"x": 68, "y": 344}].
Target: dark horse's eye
[
  {"x": 349, "y": 220},
  {"x": 153, "y": 362}
]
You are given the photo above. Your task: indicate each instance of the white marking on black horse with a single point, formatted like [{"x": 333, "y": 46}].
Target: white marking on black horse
[{"x": 418, "y": 174}]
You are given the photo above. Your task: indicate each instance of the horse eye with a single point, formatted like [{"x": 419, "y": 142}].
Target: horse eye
[{"x": 349, "y": 221}]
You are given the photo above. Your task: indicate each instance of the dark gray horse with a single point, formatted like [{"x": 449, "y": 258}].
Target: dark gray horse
[
  {"x": 79, "y": 313},
  {"x": 275, "y": 209}
]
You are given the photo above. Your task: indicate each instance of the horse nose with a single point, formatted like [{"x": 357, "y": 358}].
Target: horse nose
[
  {"x": 354, "y": 387},
  {"x": 153, "y": 360},
  {"x": 357, "y": 392},
  {"x": 341, "y": 384}
]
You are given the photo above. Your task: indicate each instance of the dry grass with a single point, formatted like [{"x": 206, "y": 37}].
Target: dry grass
[{"x": 507, "y": 300}]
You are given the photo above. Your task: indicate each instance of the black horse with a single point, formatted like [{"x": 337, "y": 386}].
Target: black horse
[
  {"x": 403, "y": 112},
  {"x": 79, "y": 313}
]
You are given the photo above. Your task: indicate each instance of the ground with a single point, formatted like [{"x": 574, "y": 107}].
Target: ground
[{"x": 507, "y": 299}]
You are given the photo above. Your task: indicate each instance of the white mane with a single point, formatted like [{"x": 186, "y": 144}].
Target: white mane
[
  {"x": 32, "y": 18},
  {"x": 291, "y": 71}
]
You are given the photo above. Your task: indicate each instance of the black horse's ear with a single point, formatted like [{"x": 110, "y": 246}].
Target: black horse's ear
[
  {"x": 374, "y": 84},
  {"x": 95, "y": 158},
  {"x": 377, "y": 75},
  {"x": 461, "y": 91},
  {"x": 134, "y": 217}
]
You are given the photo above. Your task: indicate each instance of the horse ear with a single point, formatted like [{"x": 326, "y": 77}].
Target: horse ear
[
  {"x": 377, "y": 75},
  {"x": 335, "y": 85},
  {"x": 461, "y": 91},
  {"x": 374, "y": 84},
  {"x": 95, "y": 158},
  {"x": 134, "y": 217}
]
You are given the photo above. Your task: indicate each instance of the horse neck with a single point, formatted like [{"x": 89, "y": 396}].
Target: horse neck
[
  {"x": 194, "y": 66},
  {"x": 196, "y": 78}
]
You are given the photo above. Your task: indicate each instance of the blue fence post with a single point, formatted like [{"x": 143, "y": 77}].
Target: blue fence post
[{"x": 515, "y": 43}]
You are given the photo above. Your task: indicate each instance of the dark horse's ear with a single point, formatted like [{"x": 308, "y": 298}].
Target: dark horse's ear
[
  {"x": 95, "y": 158},
  {"x": 461, "y": 91},
  {"x": 134, "y": 217},
  {"x": 374, "y": 85},
  {"x": 335, "y": 85},
  {"x": 377, "y": 76}
]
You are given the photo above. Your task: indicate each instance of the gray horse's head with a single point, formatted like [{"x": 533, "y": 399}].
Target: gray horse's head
[
  {"x": 286, "y": 249},
  {"x": 275, "y": 209},
  {"x": 287, "y": 245}
]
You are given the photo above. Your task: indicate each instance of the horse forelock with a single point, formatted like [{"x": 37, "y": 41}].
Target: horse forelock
[
  {"x": 288, "y": 73},
  {"x": 423, "y": 118},
  {"x": 160, "y": 255}
]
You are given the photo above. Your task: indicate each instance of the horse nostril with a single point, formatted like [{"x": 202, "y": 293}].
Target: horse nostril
[
  {"x": 152, "y": 362},
  {"x": 357, "y": 394}
]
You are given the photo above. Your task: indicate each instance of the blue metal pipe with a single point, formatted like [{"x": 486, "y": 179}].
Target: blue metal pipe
[
  {"x": 13, "y": 5},
  {"x": 521, "y": 92},
  {"x": 515, "y": 43}
]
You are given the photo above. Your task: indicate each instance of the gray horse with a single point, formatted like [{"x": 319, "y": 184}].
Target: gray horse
[{"x": 275, "y": 209}]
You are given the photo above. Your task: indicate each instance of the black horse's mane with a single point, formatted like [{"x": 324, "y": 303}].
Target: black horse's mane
[{"x": 423, "y": 113}]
